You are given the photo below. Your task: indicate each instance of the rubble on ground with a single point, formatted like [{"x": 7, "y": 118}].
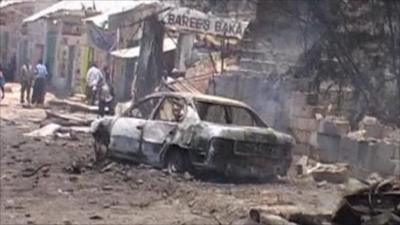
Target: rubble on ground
[
  {"x": 333, "y": 173},
  {"x": 47, "y": 130}
]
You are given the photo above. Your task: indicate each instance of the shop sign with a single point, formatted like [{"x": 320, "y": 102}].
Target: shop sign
[{"x": 186, "y": 19}]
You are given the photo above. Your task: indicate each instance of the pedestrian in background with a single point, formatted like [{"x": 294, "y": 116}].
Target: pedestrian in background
[
  {"x": 26, "y": 79},
  {"x": 2, "y": 82},
  {"x": 93, "y": 79},
  {"x": 39, "y": 87},
  {"x": 106, "y": 94}
]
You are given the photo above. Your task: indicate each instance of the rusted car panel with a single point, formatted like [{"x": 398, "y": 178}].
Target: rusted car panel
[{"x": 213, "y": 133}]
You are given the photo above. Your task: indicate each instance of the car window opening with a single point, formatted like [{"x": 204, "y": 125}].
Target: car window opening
[
  {"x": 172, "y": 109},
  {"x": 227, "y": 114}
]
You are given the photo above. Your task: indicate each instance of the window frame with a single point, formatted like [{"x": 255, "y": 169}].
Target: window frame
[
  {"x": 128, "y": 112},
  {"x": 164, "y": 98},
  {"x": 258, "y": 122}
]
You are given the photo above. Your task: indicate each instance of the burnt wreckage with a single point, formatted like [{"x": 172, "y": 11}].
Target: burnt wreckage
[{"x": 183, "y": 131}]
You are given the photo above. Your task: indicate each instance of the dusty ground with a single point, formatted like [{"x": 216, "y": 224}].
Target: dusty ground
[{"x": 123, "y": 194}]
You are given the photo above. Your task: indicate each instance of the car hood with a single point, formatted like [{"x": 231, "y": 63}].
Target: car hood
[{"x": 245, "y": 133}]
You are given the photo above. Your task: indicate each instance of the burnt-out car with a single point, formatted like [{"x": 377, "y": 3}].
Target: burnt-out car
[{"x": 184, "y": 132}]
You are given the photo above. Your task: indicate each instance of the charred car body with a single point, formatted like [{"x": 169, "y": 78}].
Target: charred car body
[{"x": 183, "y": 131}]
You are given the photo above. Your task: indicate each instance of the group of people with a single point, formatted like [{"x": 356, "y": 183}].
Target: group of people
[
  {"x": 29, "y": 77},
  {"x": 99, "y": 89},
  {"x": 33, "y": 77}
]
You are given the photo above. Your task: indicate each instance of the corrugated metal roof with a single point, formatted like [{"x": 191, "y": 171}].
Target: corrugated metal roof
[
  {"x": 116, "y": 8},
  {"x": 168, "y": 45},
  {"x": 105, "y": 7},
  {"x": 6, "y": 3},
  {"x": 180, "y": 85}
]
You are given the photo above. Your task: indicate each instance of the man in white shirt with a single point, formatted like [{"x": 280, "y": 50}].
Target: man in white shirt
[{"x": 93, "y": 78}]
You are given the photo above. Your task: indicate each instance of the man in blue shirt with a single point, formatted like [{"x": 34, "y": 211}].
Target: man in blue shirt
[{"x": 39, "y": 87}]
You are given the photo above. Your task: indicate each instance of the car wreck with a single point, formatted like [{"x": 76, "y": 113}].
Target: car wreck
[
  {"x": 374, "y": 204},
  {"x": 193, "y": 132}
]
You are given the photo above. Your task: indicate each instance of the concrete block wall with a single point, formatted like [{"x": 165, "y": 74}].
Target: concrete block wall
[
  {"x": 302, "y": 121},
  {"x": 363, "y": 156},
  {"x": 326, "y": 139}
]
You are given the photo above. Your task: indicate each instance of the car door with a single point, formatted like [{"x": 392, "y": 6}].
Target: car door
[
  {"x": 126, "y": 131},
  {"x": 162, "y": 127}
]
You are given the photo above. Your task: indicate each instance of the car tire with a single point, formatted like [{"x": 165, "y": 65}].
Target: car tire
[{"x": 176, "y": 162}]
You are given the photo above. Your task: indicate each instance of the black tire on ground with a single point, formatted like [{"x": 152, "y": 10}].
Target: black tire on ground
[{"x": 176, "y": 162}]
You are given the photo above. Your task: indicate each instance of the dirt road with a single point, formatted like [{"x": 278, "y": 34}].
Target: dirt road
[{"x": 52, "y": 181}]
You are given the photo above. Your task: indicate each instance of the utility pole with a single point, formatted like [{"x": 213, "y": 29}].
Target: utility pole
[{"x": 150, "y": 67}]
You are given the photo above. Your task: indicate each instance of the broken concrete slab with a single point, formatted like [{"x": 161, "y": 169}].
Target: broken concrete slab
[
  {"x": 47, "y": 130},
  {"x": 372, "y": 127},
  {"x": 333, "y": 173},
  {"x": 301, "y": 166},
  {"x": 328, "y": 147},
  {"x": 348, "y": 150},
  {"x": 75, "y": 119},
  {"x": 334, "y": 126},
  {"x": 384, "y": 153},
  {"x": 74, "y": 106}
]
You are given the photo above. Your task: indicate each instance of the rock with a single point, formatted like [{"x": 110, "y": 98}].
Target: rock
[
  {"x": 30, "y": 222},
  {"x": 73, "y": 179},
  {"x": 187, "y": 176},
  {"x": 67, "y": 222},
  {"x": 275, "y": 220},
  {"x": 322, "y": 184},
  {"x": 17, "y": 145},
  {"x": 108, "y": 167},
  {"x": 96, "y": 217},
  {"x": 27, "y": 215},
  {"x": 139, "y": 181},
  {"x": 107, "y": 188}
]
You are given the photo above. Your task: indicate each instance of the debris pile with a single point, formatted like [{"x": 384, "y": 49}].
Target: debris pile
[{"x": 333, "y": 173}]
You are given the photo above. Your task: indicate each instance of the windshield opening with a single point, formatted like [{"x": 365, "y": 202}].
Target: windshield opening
[{"x": 227, "y": 114}]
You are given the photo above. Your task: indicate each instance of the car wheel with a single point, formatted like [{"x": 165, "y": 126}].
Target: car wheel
[
  {"x": 100, "y": 151},
  {"x": 176, "y": 162}
]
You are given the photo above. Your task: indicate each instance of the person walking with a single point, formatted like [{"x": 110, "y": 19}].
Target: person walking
[
  {"x": 106, "y": 94},
  {"x": 26, "y": 79},
  {"x": 93, "y": 79},
  {"x": 39, "y": 87},
  {"x": 2, "y": 83},
  {"x": 106, "y": 97}
]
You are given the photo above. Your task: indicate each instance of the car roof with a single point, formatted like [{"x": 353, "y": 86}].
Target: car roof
[{"x": 202, "y": 97}]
